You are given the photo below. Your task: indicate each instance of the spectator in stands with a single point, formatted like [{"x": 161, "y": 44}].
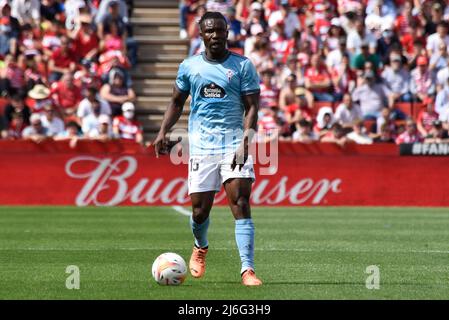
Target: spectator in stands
[
  {"x": 267, "y": 126},
  {"x": 370, "y": 96},
  {"x": 86, "y": 42},
  {"x": 112, "y": 41},
  {"x": 437, "y": 133},
  {"x": 196, "y": 42},
  {"x": 51, "y": 39},
  {"x": 318, "y": 80},
  {"x": 186, "y": 7},
  {"x": 435, "y": 39},
  {"x": 387, "y": 42},
  {"x": 51, "y": 10},
  {"x": 358, "y": 134},
  {"x": 15, "y": 128},
  {"x": 410, "y": 135},
  {"x": 442, "y": 76},
  {"x": 297, "y": 110},
  {"x": 436, "y": 17},
  {"x": 66, "y": 95},
  {"x": 35, "y": 131},
  {"x": 279, "y": 42},
  {"x": 103, "y": 130},
  {"x": 426, "y": 117},
  {"x": 347, "y": 112},
  {"x": 86, "y": 76},
  {"x": 218, "y": 5},
  {"x": 126, "y": 126},
  {"x": 62, "y": 60},
  {"x": 287, "y": 94},
  {"x": 304, "y": 132},
  {"x": 269, "y": 93},
  {"x": 114, "y": 16},
  {"x": 442, "y": 100},
  {"x": 335, "y": 135},
  {"x": 12, "y": 75},
  {"x": 335, "y": 36},
  {"x": 324, "y": 121},
  {"x": 29, "y": 44},
  {"x": 288, "y": 16},
  {"x": 423, "y": 82},
  {"x": 255, "y": 17},
  {"x": 74, "y": 9},
  {"x": 289, "y": 68},
  {"x": 86, "y": 105},
  {"x": 51, "y": 121},
  {"x": 117, "y": 93},
  {"x": 397, "y": 78},
  {"x": 235, "y": 37},
  {"x": 358, "y": 61},
  {"x": 358, "y": 36},
  {"x": 333, "y": 59},
  {"x": 386, "y": 118},
  {"x": 343, "y": 78},
  {"x": 385, "y": 135},
  {"x": 90, "y": 123},
  {"x": 41, "y": 96},
  {"x": 16, "y": 105},
  {"x": 9, "y": 30},
  {"x": 72, "y": 132},
  {"x": 104, "y": 10},
  {"x": 262, "y": 57},
  {"x": 26, "y": 11},
  {"x": 439, "y": 60}
]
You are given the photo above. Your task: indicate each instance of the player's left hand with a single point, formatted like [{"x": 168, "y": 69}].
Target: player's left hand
[{"x": 240, "y": 157}]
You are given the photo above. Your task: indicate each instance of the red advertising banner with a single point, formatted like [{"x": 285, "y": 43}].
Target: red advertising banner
[{"x": 116, "y": 173}]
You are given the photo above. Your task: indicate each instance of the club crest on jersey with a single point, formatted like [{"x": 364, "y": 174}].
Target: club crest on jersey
[
  {"x": 212, "y": 90},
  {"x": 229, "y": 74}
]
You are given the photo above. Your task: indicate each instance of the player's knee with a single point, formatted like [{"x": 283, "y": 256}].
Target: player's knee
[
  {"x": 243, "y": 204},
  {"x": 199, "y": 215}
]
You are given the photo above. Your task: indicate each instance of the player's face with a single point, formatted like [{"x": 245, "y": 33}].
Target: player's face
[{"x": 215, "y": 33}]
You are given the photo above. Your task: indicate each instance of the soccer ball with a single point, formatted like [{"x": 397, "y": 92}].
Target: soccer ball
[{"x": 169, "y": 269}]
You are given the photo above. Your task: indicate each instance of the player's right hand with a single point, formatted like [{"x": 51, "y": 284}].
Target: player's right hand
[{"x": 160, "y": 145}]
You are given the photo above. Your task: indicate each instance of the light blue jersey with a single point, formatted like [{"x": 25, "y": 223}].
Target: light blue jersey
[{"x": 216, "y": 108}]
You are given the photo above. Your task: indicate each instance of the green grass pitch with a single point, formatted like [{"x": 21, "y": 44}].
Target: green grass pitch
[{"x": 301, "y": 253}]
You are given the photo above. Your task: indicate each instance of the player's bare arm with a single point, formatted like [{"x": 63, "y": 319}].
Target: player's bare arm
[
  {"x": 171, "y": 116},
  {"x": 251, "y": 103}
]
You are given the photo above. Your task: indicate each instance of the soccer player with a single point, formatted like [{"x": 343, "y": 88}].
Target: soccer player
[{"x": 223, "y": 116}]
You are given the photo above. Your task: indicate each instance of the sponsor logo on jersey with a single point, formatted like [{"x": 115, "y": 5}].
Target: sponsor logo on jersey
[{"x": 212, "y": 90}]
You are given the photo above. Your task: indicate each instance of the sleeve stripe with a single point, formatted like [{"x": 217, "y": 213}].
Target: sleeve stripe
[
  {"x": 249, "y": 92},
  {"x": 181, "y": 90}
]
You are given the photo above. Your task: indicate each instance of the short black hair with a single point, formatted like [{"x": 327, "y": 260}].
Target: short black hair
[{"x": 212, "y": 15}]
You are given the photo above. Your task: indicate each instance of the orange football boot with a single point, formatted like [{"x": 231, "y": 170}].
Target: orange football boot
[
  {"x": 197, "y": 263},
  {"x": 249, "y": 278}
]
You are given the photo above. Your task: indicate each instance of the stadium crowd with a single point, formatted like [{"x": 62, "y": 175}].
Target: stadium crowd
[
  {"x": 64, "y": 70},
  {"x": 367, "y": 71}
]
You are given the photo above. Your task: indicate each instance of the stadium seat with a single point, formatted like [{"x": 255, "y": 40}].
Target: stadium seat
[
  {"x": 405, "y": 107},
  {"x": 417, "y": 107},
  {"x": 317, "y": 105},
  {"x": 237, "y": 50},
  {"x": 3, "y": 103},
  {"x": 370, "y": 125}
]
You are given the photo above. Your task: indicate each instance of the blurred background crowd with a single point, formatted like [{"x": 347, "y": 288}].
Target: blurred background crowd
[
  {"x": 64, "y": 70},
  {"x": 367, "y": 71}
]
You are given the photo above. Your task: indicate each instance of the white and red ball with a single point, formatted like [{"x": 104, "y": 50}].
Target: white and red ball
[{"x": 169, "y": 269}]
